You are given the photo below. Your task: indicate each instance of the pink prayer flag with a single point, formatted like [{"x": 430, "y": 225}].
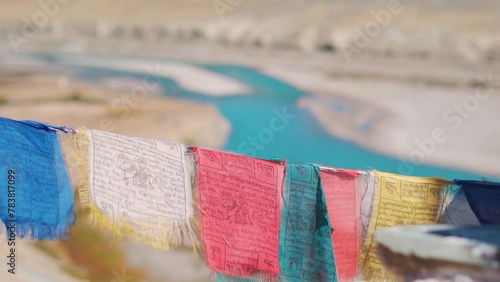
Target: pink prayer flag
[
  {"x": 343, "y": 206},
  {"x": 240, "y": 208}
]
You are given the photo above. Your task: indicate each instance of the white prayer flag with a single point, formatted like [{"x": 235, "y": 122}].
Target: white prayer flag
[{"x": 138, "y": 187}]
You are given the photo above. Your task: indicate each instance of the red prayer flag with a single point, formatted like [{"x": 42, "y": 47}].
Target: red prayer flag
[
  {"x": 343, "y": 206},
  {"x": 240, "y": 209}
]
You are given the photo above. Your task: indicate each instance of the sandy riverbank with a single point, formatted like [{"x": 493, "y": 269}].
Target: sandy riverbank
[
  {"x": 446, "y": 125},
  {"x": 187, "y": 76},
  {"x": 60, "y": 101},
  {"x": 394, "y": 105}
]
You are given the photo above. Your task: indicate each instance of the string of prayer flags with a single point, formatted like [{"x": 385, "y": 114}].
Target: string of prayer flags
[
  {"x": 240, "y": 207},
  {"x": 257, "y": 222},
  {"x": 306, "y": 249},
  {"x": 398, "y": 200},
  {"x": 140, "y": 188},
  {"x": 483, "y": 198},
  {"x": 39, "y": 199},
  {"x": 343, "y": 200}
]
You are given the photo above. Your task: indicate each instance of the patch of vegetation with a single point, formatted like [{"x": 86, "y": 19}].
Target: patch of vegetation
[
  {"x": 477, "y": 83},
  {"x": 76, "y": 96},
  {"x": 123, "y": 112},
  {"x": 327, "y": 47},
  {"x": 3, "y": 100}
]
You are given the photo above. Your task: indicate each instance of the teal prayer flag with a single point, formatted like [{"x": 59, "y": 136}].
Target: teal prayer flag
[{"x": 306, "y": 248}]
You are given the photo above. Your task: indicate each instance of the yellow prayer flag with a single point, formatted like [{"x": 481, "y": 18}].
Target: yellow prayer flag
[{"x": 398, "y": 200}]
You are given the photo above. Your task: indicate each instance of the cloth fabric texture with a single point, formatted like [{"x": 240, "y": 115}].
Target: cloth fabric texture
[
  {"x": 343, "y": 199},
  {"x": 38, "y": 198},
  {"x": 483, "y": 198},
  {"x": 137, "y": 187},
  {"x": 306, "y": 248},
  {"x": 239, "y": 206},
  {"x": 398, "y": 200}
]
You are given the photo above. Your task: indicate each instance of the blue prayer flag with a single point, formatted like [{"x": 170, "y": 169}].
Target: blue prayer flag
[
  {"x": 37, "y": 199},
  {"x": 483, "y": 198}
]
